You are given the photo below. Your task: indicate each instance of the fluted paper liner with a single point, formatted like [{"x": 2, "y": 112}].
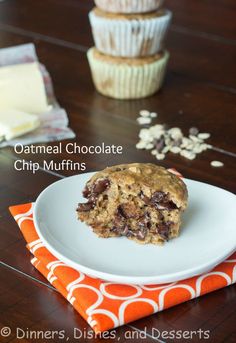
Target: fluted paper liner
[
  {"x": 127, "y": 81},
  {"x": 129, "y": 37},
  {"x": 129, "y": 6}
]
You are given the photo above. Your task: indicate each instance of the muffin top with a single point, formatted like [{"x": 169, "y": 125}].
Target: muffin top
[
  {"x": 134, "y": 16},
  {"x": 146, "y": 177}
]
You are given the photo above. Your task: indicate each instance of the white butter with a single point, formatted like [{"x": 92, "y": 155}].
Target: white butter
[
  {"x": 22, "y": 88},
  {"x": 14, "y": 123}
]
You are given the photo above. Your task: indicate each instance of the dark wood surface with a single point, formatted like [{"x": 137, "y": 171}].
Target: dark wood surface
[{"x": 199, "y": 90}]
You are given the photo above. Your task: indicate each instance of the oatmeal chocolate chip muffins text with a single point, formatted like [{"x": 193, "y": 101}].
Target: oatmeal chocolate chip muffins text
[
  {"x": 142, "y": 202},
  {"x": 133, "y": 30}
]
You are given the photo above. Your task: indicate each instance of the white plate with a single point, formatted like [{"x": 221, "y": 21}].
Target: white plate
[{"x": 208, "y": 236}]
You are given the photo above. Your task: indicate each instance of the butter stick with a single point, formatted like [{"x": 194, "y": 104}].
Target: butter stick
[
  {"x": 22, "y": 88},
  {"x": 14, "y": 123}
]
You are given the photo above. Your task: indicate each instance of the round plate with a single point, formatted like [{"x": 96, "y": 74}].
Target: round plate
[{"x": 208, "y": 236}]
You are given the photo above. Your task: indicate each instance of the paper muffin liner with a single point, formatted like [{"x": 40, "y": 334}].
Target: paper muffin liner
[
  {"x": 127, "y": 80},
  {"x": 129, "y": 6},
  {"x": 129, "y": 38}
]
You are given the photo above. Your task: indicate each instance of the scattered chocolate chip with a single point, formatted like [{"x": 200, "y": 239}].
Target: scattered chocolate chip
[
  {"x": 159, "y": 144},
  {"x": 177, "y": 142},
  {"x": 193, "y": 131},
  {"x": 85, "y": 207}
]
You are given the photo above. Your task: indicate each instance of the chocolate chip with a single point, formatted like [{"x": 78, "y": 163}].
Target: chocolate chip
[
  {"x": 161, "y": 202},
  {"x": 163, "y": 230},
  {"x": 144, "y": 198},
  {"x": 120, "y": 211},
  {"x": 100, "y": 186},
  {"x": 118, "y": 221},
  {"x": 193, "y": 131},
  {"x": 130, "y": 233},
  {"x": 86, "y": 192},
  {"x": 122, "y": 231},
  {"x": 125, "y": 230},
  {"x": 85, "y": 207},
  {"x": 158, "y": 197},
  {"x": 141, "y": 234},
  {"x": 127, "y": 211},
  {"x": 144, "y": 221}
]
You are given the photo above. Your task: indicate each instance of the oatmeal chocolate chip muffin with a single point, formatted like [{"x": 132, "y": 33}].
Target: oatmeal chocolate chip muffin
[
  {"x": 129, "y": 6},
  {"x": 129, "y": 35},
  {"x": 127, "y": 78},
  {"x": 143, "y": 202}
]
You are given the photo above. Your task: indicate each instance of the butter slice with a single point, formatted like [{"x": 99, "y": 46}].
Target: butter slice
[
  {"x": 22, "y": 88},
  {"x": 14, "y": 123}
]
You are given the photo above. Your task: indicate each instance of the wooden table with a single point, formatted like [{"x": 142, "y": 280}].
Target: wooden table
[{"x": 199, "y": 90}]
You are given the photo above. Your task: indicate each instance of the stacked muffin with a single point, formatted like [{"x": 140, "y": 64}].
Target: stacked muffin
[{"x": 129, "y": 61}]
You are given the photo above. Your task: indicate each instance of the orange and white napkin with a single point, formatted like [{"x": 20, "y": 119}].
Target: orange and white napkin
[{"x": 105, "y": 305}]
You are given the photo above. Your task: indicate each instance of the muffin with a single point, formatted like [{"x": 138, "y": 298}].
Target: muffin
[
  {"x": 142, "y": 202},
  {"x": 130, "y": 35},
  {"x": 124, "y": 78},
  {"x": 128, "y": 6}
]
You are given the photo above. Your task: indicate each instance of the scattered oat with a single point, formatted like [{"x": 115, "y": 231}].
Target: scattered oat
[
  {"x": 217, "y": 164},
  {"x": 175, "y": 133},
  {"x": 175, "y": 150},
  {"x": 144, "y": 113},
  {"x": 166, "y": 149},
  {"x": 160, "y": 156},
  {"x": 141, "y": 145},
  {"x": 149, "y": 146},
  {"x": 195, "y": 138},
  {"x": 153, "y": 114},
  {"x": 204, "y": 135},
  {"x": 161, "y": 140},
  {"x": 144, "y": 120},
  {"x": 154, "y": 152}
]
